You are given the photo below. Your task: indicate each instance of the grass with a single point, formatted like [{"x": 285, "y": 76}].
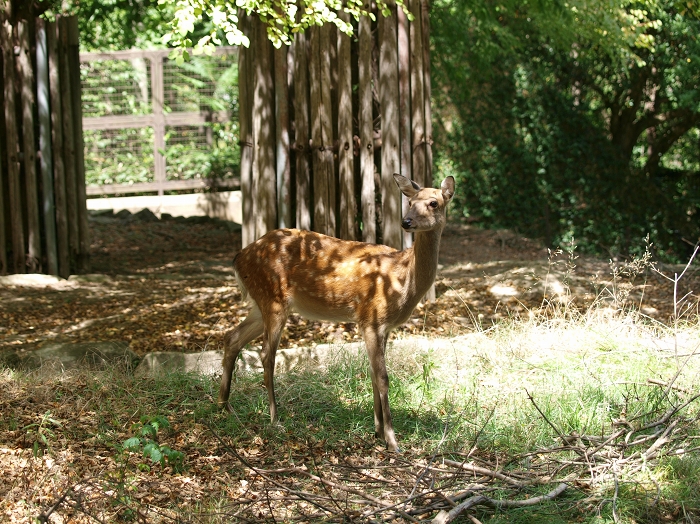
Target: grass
[{"x": 503, "y": 397}]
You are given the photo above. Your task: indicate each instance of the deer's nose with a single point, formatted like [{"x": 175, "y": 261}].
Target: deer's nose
[{"x": 406, "y": 223}]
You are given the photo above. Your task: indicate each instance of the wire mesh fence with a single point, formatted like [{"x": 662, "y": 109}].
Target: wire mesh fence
[{"x": 154, "y": 125}]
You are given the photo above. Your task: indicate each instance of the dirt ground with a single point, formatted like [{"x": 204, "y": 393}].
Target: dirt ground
[{"x": 167, "y": 285}]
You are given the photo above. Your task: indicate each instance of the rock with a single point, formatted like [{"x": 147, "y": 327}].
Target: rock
[
  {"x": 89, "y": 355},
  {"x": 124, "y": 214},
  {"x": 29, "y": 280},
  {"x": 146, "y": 215}
]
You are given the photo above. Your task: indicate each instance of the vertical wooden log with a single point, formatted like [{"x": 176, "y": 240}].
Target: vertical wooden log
[
  {"x": 425, "y": 23},
  {"x": 321, "y": 132},
  {"x": 264, "y": 188},
  {"x": 59, "y": 174},
  {"x": 404, "y": 112},
  {"x": 157, "y": 104},
  {"x": 389, "y": 104},
  {"x": 83, "y": 260},
  {"x": 301, "y": 128},
  {"x": 12, "y": 151},
  {"x": 3, "y": 237},
  {"x": 46, "y": 154},
  {"x": 68, "y": 143},
  {"x": 346, "y": 160},
  {"x": 417, "y": 100},
  {"x": 245, "y": 115},
  {"x": 367, "y": 198},
  {"x": 29, "y": 147},
  {"x": 284, "y": 204}
]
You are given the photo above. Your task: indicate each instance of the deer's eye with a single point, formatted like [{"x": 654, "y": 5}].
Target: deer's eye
[{"x": 433, "y": 204}]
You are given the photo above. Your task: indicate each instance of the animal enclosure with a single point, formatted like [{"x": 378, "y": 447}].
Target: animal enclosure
[{"x": 326, "y": 123}]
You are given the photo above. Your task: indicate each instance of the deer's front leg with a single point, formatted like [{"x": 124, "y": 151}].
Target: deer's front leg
[
  {"x": 274, "y": 323},
  {"x": 375, "y": 341},
  {"x": 234, "y": 341}
]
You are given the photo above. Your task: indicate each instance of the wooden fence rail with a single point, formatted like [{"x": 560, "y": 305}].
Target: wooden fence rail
[
  {"x": 325, "y": 123},
  {"x": 43, "y": 217}
]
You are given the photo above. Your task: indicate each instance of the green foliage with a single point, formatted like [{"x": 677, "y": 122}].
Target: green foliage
[
  {"x": 572, "y": 120},
  {"x": 144, "y": 442}
]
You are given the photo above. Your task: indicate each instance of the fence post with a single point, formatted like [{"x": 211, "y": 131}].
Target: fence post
[
  {"x": 367, "y": 195},
  {"x": 283, "y": 170},
  {"x": 388, "y": 95},
  {"x": 83, "y": 258},
  {"x": 46, "y": 153},
  {"x": 301, "y": 128},
  {"x": 59, "y": 185},
  {"x": 12, "y": 141},
  {"x": 158, "y": 98},
  {"x": 346, "y": 160}
]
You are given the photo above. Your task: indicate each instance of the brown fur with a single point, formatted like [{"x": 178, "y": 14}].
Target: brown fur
[{"x": 325, "y": 278}]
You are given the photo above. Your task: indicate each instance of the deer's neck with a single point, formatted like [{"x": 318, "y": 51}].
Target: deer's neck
[{"x": 426, "y": 248}]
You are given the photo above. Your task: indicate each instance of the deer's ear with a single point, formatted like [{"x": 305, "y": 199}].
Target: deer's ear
[
  {"x": 448, "y": 188},
  {"x": 407, "y": 187}
]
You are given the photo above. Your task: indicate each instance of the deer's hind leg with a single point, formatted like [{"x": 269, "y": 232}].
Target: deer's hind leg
[
  {"x": 234, "y": 341},
  {"x": 274, "y": 319}
]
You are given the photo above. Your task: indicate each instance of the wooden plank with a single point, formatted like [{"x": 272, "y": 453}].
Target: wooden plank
[
  {"x": 245, "y": 124},
  {"x": 69, "y": 158},
  {"x": 157, "y": 101},
  {"x": 12, "y": 151},
  {"x": 346, "y": 160},
  {"x": 59, "y": 174},
  {"x": 3, "y": 220},
  {"x": 181, "y": 118},
  {"x": 417, "y": 101},
  {"x": 321, "y": 132},
  {"x": 425, "y": 23},
  {"x": 83, "y": 260},
  {"x": 283, "y": 168},
  {"x": 264, "y": 190},
  {"x": 367, "y": 196},
  {"x": 389, "y": 109},
  {"x": 404, "y": 111},
  {"x": 45, "y": 147},
  {"x": 130, "y": 54},
  {"x": 168, "y": 185},
  {"x": 29, "y": 148},
  {"x": 301, "y": 128}
]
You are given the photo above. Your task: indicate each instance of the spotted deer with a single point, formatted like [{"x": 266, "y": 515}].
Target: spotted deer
[{"x": 325, "y": 278}]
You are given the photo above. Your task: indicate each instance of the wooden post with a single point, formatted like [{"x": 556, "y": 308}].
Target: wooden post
[
  {"x": 68, "y": 143},
  {"x": 59, "y": 175},
  {"x": 83, "y": 258},
  {"x": 12, "y": 144},
  {"x": 29, "y": 147},
  {"x": 425, "y": 22},
  {"x": 367, "y": 197},
  {"x": 301, "y": 127},
  {"x": 283, "y": 174},
  {"x": 388, "y": 93},
  {"x": 404, "y": 112},
  {"x": 417, "y": 102},
  {"x": 245, "y": 99},
  {"x": 264, "y": 189},
  {"x": 3, "y": 238},
  {"x": 157, "y": 101},
  {"x": 48, "y": 209},
  {"x": 346, "y": 167}
]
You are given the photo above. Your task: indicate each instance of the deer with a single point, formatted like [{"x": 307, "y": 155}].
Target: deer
[{"x": 326, "y": 278}]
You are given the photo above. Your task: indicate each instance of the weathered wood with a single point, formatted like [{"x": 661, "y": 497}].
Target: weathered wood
[
  {"x": 404, "y": 112},
  {"x": 417, "y": 101},
  {"x": 168, "y": 185},
  {"x": 157, "y": 102},
  {"x": 83, "y": 259},
  {"x": 26, "y": 72},
  {"x": 367, "y": 196},
  {"x": 283, "y": 170},
  {"x": 425, "y": 33},
  {"x": 388, "y": 95},
  {"x": 3, "y": 238},
  {"x": 346, "y": 167},
  {"x": 12, "y": 151},
  {"x": 301, "y": 128},
  {"x": 264, "y": 189},
  {"x": 68, "y": 144},
  {"x": 245, "y": 116},
  {"x": 321, "y": 132},
  {"x": 59, "y": 173},
  {"x": 45, "y": 149}
]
